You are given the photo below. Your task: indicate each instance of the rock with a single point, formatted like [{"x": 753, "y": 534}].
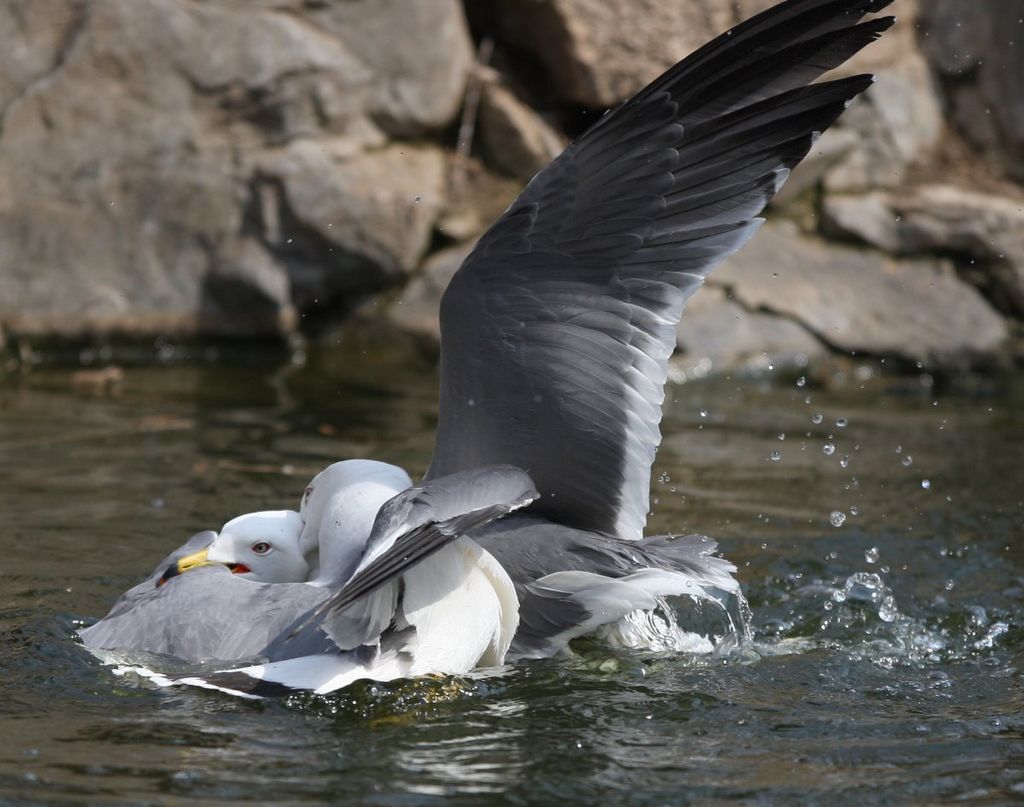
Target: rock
[
  {"x": 832, "y": 148},
  {"x": 717, "y": 334},
  {"x": 48, "y": 27},
  {"x": 350, "y": 223},
  {"x": 477, "y": 197},
  {"x": 981, "y": 59},
  {"x": 868, "y": 217},
  {"x": 141, "y": 146},
  {"x": 246, "y": 293},
  {"x": 598, "y": 53},
  {"x": 416, "y": 310},
  {"x": 855, "y": 300},
  {"x": 973, "y": 227},
  {"x": 515, "y": 139},
  {"x": 898, "y": 121},
  {"x": 418, "y": 53}
]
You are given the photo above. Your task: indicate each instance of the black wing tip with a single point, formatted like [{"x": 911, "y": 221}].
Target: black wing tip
[
  {"x": 853, "y": 86},
  {"x": 845, "y": 89},
  {"x": 881, "y": 24}
]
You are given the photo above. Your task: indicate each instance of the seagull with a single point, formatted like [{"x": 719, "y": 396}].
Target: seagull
[
  {"x": 555, "y": 338},
  {"x": 416, "y": 597}
]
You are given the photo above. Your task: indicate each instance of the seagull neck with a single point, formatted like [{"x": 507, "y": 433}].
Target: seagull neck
[{"x": 345, "y": 528}]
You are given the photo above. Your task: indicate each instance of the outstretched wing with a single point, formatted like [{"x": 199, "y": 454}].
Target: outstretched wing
[{"x": 557, "y": 330}]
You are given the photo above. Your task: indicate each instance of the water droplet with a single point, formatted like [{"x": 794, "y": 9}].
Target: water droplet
[
  {"x": 871, "y": 555},
  {"x": 776, "y": 456},
  {"x": 782, "y": 435},
  {"x": 842, "y": 423},
  {"x": 868, "y": 587},
  {"x": 845, "y": 461},
  {"x": 854, "y": 510},
  {"x": 828, "y": 449},
  {"x": 703, "y": 413},
  {"x": 837, "y": 518},
  {"x": 664, "y": 477},
  {"x": 816, "y": 418},
  {"x": 926, "y": 483},
  {"x": 887, "y": 611},
  {"x": 829, "y": 605},
  {"x": 949, "y": 585},
  {"x": 907, "y": 461},
  {"x": 801, "y": 381}
]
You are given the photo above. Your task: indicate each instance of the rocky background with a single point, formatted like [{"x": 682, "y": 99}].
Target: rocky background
[{"x": 201, "y": 170}]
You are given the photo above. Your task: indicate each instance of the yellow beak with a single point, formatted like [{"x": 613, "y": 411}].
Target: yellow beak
[
  {"x": 194, "y": 561},
  {"x": 185, "y": 564}
]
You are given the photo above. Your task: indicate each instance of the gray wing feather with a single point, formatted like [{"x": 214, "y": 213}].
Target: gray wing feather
[
  {"x": 531, "y": 549},
  {"x": 207, "y": 614},
  {"x": 557, "y": 329}
]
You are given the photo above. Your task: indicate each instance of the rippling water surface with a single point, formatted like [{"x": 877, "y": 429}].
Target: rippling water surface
[{"x": 877, "y": 530}]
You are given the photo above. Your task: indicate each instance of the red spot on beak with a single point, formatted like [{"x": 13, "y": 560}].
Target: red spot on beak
[{"x": 239, "y": 568}]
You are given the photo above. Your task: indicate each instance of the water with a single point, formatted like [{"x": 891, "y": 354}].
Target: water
[{"x": 888, "y": 650}]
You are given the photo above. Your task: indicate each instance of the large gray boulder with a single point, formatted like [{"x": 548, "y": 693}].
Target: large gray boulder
[
  {"x": 984, "y": 233},
  {"x": 862, "y": 301},
  {"x": 717, "y": 333},
  {"x": 172, "y": 166},
  {"x": 515, "y": 139}
]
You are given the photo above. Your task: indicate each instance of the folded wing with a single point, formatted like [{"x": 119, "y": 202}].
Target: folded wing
[{"x": 409, "y": 528}]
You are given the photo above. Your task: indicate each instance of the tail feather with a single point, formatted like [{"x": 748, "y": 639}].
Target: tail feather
[{"x": 563, "y": 606}]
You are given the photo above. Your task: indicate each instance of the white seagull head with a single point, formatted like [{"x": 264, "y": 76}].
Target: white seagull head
[{"x": 262, "y": 546}]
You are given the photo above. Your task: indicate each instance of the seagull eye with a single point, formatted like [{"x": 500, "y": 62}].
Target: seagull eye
[
  {"x": 261, "y": 547},
  {"x": 307, "y": 494}
]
